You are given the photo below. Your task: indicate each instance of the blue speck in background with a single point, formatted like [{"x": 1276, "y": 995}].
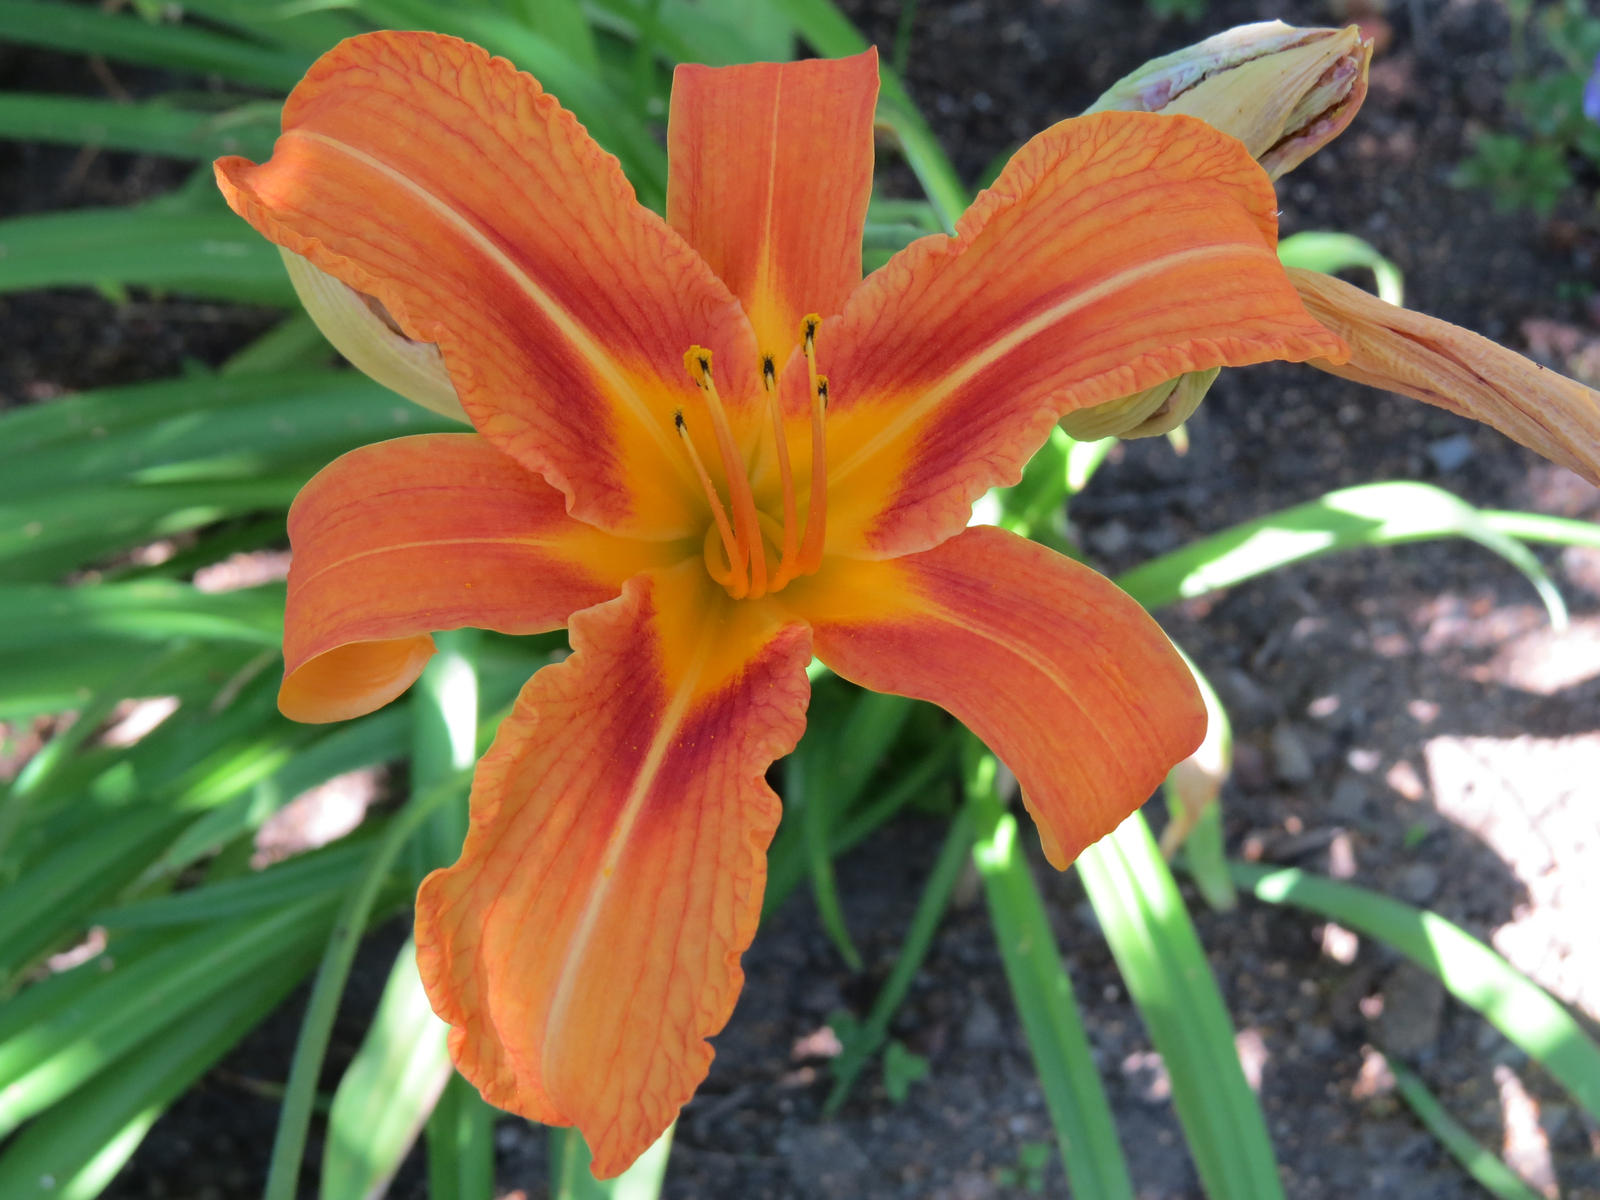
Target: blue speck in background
[{"x": 1591, "y": 93}]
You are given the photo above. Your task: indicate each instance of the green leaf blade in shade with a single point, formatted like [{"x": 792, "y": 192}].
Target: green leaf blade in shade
[
  {"x": 1491, "y": 1174},
  {"x": 571, "y": 1178},
  {"x": 356, "y": 906},
  {"x": 865, "y": 1040},
  {"x": 1158, "y": 952},
  {"x": 1330, "y": 253},
  {"x": 1193, "y": 791},
  {"x": 80, "y": 29},
  {"x": 388, "y": 1091},
  {"x": 309, "y": 27},
  {"x": 1372, "y": 514},
  {"x": 145, "y": 127},
  {"x": 1042, "y": 991},
  {"x": 214, "y": 428},
  {"x": 72, "y": 1151},
  {"x": 135, "y": 997},
  {"x": 154, "y": 610},
  {"x": 1529, "y": 1017},
  {"x": 209, "y": 254},
  {"x": 444, "y": 740},
  {"x": 830, "y": 32}
]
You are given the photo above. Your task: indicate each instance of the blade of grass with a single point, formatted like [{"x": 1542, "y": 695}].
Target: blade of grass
[
  {"x": 461, "y": 1142},
  {"x": 1042, "y": 991},
  {"x": 869, "y": 1037},
  {"x": 1373, "y": 514},
  {"x": 1317, "y": 250},
  {"x": 1536, "y": 527},
  {"x": 1492, "y": 1175},
  {"x": 388, "y": 1091},
  {"x": 205, "y": 254},
  {"x": 1158, "y": 952},
  {"x": 44, "y": 537},
  {"x": 787, "y": 861},
  {"x": 294, "y": 343},
  {"x": 80, "y": 29},
  {"x": 294, "y": 1117},
  {"x": 1524, "y": 1012},
  {"x": 571, "y": 1179},
  {"x": 829, "y": 31},
  {"x": 73, "y": 1151},
  {"x": 146, "y": 127},
  {"x": 1193, "y": 791},
  {"x": 134, "y": 997},
  {"x": 309, "y": 26},
  {"x": 153, "y": 610},
  {"x": 444, "y": 735}
]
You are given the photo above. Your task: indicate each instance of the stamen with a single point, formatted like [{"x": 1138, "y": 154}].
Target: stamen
[
  {"x": 791, "y": 519},
  {"x": 746, "y": 529},
  {"x": 817, "y": 510},
  {"x": 736, "y": 581}
]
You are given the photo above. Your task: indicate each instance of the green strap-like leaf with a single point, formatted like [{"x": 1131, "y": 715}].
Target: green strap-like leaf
[
  {"x": 1473, "y": 973},
  {"x": 1158, "y": 952},
  {"x": 81, "y": 29},
  {"x": 1042, "y": 990}
]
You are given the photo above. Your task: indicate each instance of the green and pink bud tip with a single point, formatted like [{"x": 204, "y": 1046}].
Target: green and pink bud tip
[{"x": 1285, "y": 92}]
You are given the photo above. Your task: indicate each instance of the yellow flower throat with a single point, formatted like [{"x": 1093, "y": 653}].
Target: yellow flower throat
[{"x": 749, "y": 552}]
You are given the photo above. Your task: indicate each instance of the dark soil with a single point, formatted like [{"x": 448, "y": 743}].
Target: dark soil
[{"x": 1404, "y": 718}]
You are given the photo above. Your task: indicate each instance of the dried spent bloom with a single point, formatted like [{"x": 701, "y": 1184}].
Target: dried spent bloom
[
  {"x": 710, "y": 449},
  {"x": 1455, "y": 369}
]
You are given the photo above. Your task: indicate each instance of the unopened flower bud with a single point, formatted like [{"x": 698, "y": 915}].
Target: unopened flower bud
[
  {"x": 1285, "y": 92},
  {"x": 1149, "y": 413},
  {"x": 362, "y": 330}
]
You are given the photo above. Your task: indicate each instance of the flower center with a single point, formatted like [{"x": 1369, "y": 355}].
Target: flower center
[{"x": 752, "y": 553}]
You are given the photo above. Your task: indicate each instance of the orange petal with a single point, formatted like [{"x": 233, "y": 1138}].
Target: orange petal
[
  {"x": 588, "y": 940},
  {"x": 1063, "y": 676},
  {"x": 481, "y": 215},
  {"x": 1454, "y": 369},
  {"x": 771, "y": 169},
  {"x": 1113, "y": 253},
  {"x": 398, "y": 539}
]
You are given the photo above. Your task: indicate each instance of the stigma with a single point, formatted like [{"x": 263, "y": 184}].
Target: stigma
[{"x": 749, "y": 552}]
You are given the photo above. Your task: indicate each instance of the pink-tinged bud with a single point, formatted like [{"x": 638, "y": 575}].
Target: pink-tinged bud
[{"x": 1283, "y": 91}]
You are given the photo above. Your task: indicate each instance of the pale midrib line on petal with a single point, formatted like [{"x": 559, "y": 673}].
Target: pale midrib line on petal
[
  {"x": 420, "y": 545},
  {"x": 559, "y": 316},
  {"x": 763, "y": 280},
  {"x": 649, "y": 769},
  {"x": 914, "y": 412},
  {"x": 1029, "y": 655}
]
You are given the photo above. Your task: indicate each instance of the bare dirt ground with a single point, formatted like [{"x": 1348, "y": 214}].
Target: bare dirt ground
[{"x": 1405, "y": 718}]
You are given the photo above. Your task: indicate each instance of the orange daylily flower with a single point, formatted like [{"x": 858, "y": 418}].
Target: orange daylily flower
[{"x": 710, "y": 450}]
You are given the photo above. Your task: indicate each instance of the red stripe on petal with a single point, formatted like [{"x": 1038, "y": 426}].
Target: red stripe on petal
[
  {"x": 400, "y": 539},
  {"x": 1063, "y": 676},
  {"x": 451, "y": 187},
  {"x": 588, "y": 940},
  {"x": 1114, "y": 252}
]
